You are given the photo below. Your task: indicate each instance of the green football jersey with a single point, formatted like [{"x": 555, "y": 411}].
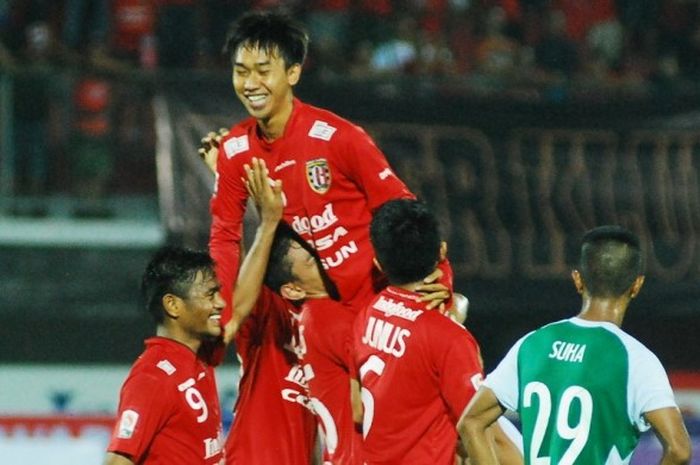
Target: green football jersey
[{"x": 581, "y": 389}]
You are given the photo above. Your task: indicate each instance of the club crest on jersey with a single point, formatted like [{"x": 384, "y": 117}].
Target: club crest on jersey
[{"x": 318, "y": 174}]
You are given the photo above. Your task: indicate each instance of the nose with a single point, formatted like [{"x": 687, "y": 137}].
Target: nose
[
  {"x": 219, "y": 302},
  {"x": 252, "y": 81}
]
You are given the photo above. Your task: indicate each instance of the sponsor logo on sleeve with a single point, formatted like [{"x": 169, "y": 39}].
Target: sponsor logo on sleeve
[
  {"x": 127, "y": 424},
  {"x": 318, "y": 175},
  {"x": 385, "y": 174},
  {"x": 236, "y": 145},
  {"x": 166, "y": 366},
  {"x": 322, "y": 130}
]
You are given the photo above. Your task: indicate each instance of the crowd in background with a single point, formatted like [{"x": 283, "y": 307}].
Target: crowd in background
[
  {"x": 61, "y": 53},
  {"x": 604, "y": 40}
]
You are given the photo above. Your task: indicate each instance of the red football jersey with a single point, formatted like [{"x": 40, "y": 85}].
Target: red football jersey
[
  {"x": 169, "y": 410},
  {"x": 418, "y": 370},
  {"x": 333, "y": 177},
  {"x": 273, "y": 422},
  {"x": 326, "y": 340}
]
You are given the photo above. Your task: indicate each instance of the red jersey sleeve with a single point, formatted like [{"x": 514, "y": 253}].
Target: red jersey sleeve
[
  {"x": 228, "y": 206},
  {"x": 144, "y": 407},
  {"x": 362, "y": 162},
  {"x": 458, "y": 362}
]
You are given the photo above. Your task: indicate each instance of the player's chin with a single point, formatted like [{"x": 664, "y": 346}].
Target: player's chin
[{"x": 214, "y": 328}]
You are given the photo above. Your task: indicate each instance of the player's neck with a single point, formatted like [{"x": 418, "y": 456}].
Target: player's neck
[
  {"x": 178, "y": 336},
  {"x": 272, "y": 128},
  {"x": 611, "y": 310}
]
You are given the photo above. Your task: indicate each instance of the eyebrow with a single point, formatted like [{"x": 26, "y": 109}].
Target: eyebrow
[{"x": 258, "y": 64}]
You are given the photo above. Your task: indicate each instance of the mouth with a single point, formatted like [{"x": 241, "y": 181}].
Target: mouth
[
  {"x": 257, "y": 101},
  {"x": 215, "y": 317}
]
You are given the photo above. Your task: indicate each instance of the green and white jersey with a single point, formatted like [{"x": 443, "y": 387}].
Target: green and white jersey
[{"x": 581, "y": 389}]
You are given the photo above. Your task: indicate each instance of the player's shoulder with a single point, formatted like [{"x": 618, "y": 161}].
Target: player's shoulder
[
  {"x": 237, "y": 141},
  {"x": 438, "y": 326},
  {"x": 161, "y": 360},
  {"x": 323, "y": 124}
]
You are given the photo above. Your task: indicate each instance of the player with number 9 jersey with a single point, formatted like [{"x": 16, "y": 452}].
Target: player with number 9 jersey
[
  {"x": 418, "y": 371},
  {"x": 169, "y": 409},
  {"x": 581, "y": 388}
]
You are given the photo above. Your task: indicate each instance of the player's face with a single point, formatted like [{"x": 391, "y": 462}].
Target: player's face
[
  {"x": 305, "y": 269},
  {"x": 263, "y": 83},
  {"x": 204, "y": 304}
]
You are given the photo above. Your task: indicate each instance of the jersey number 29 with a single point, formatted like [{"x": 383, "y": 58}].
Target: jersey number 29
[{"x": 577, "y": 433}]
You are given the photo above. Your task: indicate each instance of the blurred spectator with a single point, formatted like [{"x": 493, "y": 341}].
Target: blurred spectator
[
  {"x": 556, "y": 55},
  {"x": 91, "y": 145},
  {"x": 179, "y": 36},
  {"x": 85, "y": 23},
  {"x": 605, "y": 37},
  {"x": 32, "y": 107},
  {"x": 435, "y": 58},
  {"x": 496, "y": 53},
  {"x": 133, "y": 32},
  {"x": 328, "y": 23},
  {"x": 397, "y": 54}
]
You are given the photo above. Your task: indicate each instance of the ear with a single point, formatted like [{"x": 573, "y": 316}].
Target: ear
[
  {"x": 636, "y": 286},
  {"x": 376, "y": 263},
  {"x": 291, "y": 291},
  {"x": 294, "y": 74},
  {"x": 172, "y": 305},
  {"x": 443, "y": 250},
  {"x": 578, "y": 281}
]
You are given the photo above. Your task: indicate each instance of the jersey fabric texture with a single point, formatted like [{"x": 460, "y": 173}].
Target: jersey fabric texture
[
  {"x": 418, "y": 370},
  {"x": 333, "y": 177},
  {"x": 272, "y": 422},
  {"x": 169, "y": 410},
  {"x": 326, "y": 335},
  {"x": 581, "y": 389}
]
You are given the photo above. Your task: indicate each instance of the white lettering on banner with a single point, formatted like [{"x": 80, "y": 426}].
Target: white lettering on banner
[
  {"x": 340, "y": 255},
  {"x": 568, "y": 351},
  {"x": 392, "y": 308},
  {"x": 384, "y": 336},
  {"x": 305, "y": 225},
  {"x": 326, "y": 242},
  {"x": 322, "y": 130},
  {"x": 236, "y": 145}
]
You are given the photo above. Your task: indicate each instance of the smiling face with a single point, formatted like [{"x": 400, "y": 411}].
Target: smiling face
[
  {"x": 263, "y": 82},
  {"x": 200, "y": 317}
]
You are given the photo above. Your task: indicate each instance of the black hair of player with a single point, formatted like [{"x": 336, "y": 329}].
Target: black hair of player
[
  {"x": 406, "y": 239},
  {"x": 611, "y": 260},
  {"x": 274, "y": 31},
  {"x": 172, "y": 270},
  {"x": 279, "y": 267}
]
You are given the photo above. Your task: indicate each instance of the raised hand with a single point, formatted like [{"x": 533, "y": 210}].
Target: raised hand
[{"x": 265, "y": 192}]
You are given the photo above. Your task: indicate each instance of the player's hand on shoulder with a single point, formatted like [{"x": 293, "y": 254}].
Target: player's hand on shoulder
[
  {"x": 434, "y": 292},
  {"x": 265, "y": 192},
  {"x": 209, "y": 148}
]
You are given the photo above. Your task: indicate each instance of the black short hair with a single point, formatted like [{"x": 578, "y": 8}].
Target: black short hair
[
  {"x": 270, "y": 30},
  {"x": 611, "y": 260},
  {"x": 406, "y": 239},
  {"x": 172, "y": 270},
  {"x": 279, "y": 267}
]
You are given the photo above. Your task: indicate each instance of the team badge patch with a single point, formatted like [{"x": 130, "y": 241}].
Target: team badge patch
[
  {"x": 318, "y": 174},
  {"x": 127, "y": 424}
]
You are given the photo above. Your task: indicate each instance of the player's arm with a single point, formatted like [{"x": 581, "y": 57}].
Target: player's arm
[
  {"x": 268, "y": 198},
  {"x": 117, "y": 459},
  {"x": 483, "y": 410},
  {"x": 669, "y": 428}
]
